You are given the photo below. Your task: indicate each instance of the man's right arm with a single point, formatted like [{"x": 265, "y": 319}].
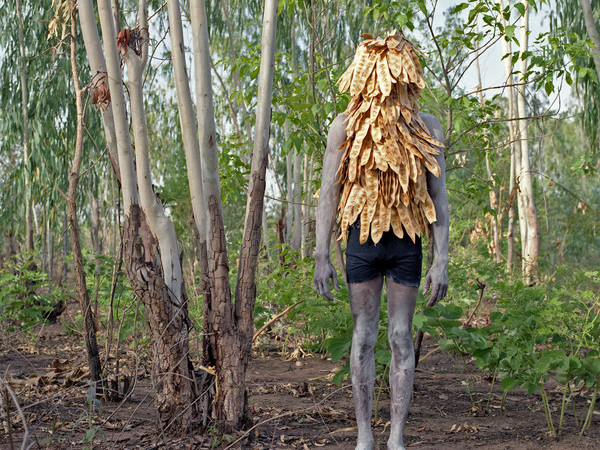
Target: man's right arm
[{"x": 329, "y": 197}]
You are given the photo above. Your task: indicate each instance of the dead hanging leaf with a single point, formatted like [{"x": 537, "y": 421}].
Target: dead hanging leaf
[
  {"x": 101, "y": 93},
  {"x": 123, "y": 39}
]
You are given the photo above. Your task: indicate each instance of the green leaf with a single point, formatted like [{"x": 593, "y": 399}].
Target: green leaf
[
  {"x": 89, "y": 435},
  {"x": 509, "y": 31},
  {"x": 521, "y": 8},
  {"x": 452, "y": 311},
  {"x": 509, "y": 383},
  {"x": 383, "y": 357},
  {"x": 338, "y": 347},
  {"x": 460, "y": 7},
  {"x": 418, "y": 321}
]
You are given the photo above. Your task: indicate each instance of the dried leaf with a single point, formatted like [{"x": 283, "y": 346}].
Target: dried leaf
[
  {"x": 383, "y": 76},
  {"x": 389, "y": 148}
]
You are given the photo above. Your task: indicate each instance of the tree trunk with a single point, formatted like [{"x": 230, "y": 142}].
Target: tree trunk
[
  {"x": 152, "y": 265},
  {"x": 95, "y": 225},
  {"x": 245, "y": 295},
  {"x": 304, "y": 233},
  {"x": 492, "y": 188},
  {"x": 265, "y": 237},
  {"x": 219, "y": 339},
  {"x": 296, "y": 240},
  {"x": 25, "y": 118},
  {"x": 50, "y": 245},
  {"x": 510, "y": 240},
  {"x": 195, "y": 176},
  {"x": 169, "y": 324},
  {"x": 531, "y": 241},
  {"x": 91, "y": 41},
  {"x": 289, "y": 181},
  {"x": 91, "y": 344},
  {"x": 514, "y": 143},
  {"x": 590, "y": 25},
  {"x": 231, "y": 331}
]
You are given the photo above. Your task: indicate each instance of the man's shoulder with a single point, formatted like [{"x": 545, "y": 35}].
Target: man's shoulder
[
  {"x": 339, "y": 121},
  {"x": 337, "y": 129},
  {"x": 430, "y": 118},
  {"x": 433, "y": 124}
]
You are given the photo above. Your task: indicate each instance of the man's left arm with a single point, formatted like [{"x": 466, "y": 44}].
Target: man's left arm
[{"x": 437, "y": 275}]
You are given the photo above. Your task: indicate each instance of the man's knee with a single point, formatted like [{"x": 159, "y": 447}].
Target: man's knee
[{"x": 401, "y": 341}]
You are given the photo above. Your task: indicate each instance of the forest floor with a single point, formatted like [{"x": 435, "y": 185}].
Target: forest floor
[{"x": 292, "y": 401}]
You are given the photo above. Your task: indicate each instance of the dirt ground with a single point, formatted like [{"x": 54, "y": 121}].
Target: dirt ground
[{"x": 293, "y": 403}]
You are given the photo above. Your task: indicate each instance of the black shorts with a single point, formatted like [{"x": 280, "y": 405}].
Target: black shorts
[{"x": 392, "y": 257}]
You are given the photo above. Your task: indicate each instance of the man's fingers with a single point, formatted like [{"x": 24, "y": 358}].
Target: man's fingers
[
  {"x": 336, "y": 284},
  {"x": 433, "y": 299},
  {"x": 322, "y": 288},
  {"x": 426, "y": 284}
]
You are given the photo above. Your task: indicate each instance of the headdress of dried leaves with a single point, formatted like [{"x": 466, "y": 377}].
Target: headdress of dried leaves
[{"x": 388, "y": 147}]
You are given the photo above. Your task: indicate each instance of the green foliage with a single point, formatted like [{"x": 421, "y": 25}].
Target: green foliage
[
  {"x": 537, "y": 334},
  {"x": 26, "y": 294},
  {"x": 100, "y": 271}
]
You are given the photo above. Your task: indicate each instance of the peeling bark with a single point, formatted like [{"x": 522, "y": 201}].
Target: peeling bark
[{"x": 169, "y": 327}]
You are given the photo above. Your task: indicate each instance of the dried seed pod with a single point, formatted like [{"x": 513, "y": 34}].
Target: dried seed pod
[
  {"x": 388, "y": 147},
  {"x": 383, "y": 76},
  {"x": 364, "y": 66}
]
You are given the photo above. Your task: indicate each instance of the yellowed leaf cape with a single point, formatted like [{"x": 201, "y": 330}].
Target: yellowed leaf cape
[{"x": 388, "y": 147}]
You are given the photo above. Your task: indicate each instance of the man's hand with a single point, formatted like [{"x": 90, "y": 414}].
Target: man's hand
[
  {"x": 437, "y": 279},
  {"x": 324, "y": 270}
]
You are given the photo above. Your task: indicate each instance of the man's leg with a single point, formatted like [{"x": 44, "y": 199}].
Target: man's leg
[
  {"x": 401, "y": 306},
  {"x": 364, "y": 301}
]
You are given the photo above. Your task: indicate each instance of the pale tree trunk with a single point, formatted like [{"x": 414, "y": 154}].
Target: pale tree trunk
[
  {"x": 497, "y": 252},
  {"x": 242, "y": 107},
  {"x": 95, "y": 225},
  {"x": 530, "y": 242},
  {"x": 44, "y": 247},
  {"x": 236, "y": 74},
  {"x": 296, "y": 240},
  {"x": 219, "y": 341},
  {"x": 91, "y": 344},
  {"x": 91, "y": 41},
  {"x": 307, "y": 210},
  {"x": 230, "y": 328},
  {"x": 194, "y": 171},
  {"x": 511, "y": 215},
  {"x": 590, "y": 25},
  {"x": 25, "y": 118},
  {"x": 289, "y": 178},
  {"x": 152, "y": 260},
  {"x": 50, "y": 245},
  {"x": 65, "y": 267},
  {"x": 245, "y": 294},
  {"x": 514, "y": 143}
]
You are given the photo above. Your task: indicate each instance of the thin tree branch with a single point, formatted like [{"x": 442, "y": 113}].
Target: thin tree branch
[{"x": 275, "y": 319}]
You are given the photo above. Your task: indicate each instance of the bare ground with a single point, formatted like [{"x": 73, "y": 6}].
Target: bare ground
[{"x": 293, "y": 403}]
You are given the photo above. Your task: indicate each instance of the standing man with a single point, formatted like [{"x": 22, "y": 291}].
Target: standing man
[{"x": 386, "y": 159}]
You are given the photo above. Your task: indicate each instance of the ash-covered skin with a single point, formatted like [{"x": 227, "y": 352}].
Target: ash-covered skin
[{"x": 365, "y": 297}]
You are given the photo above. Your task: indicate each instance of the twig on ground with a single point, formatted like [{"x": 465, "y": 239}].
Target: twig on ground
[{"x": 274, "y": 319}]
